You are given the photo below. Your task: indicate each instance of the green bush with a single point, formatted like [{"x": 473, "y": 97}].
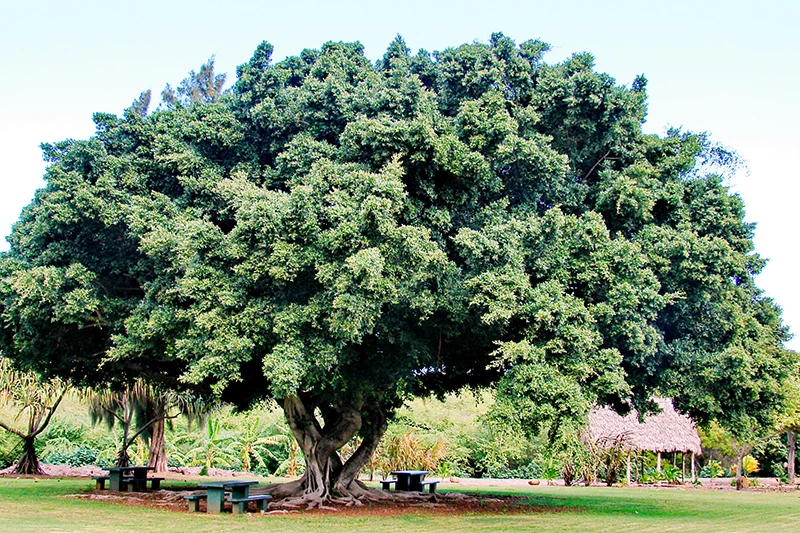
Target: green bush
[
  {"x": 10, "y": 448},
  {"x": 671, "y": 474},
  {"x": 80, "y": 456},
  {"x": 74, "y": 445},
  {"x": 530, "y": 470},
  {"x": 712, "y": 469}
]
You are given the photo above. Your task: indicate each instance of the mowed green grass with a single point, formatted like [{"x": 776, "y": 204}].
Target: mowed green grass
[{"x": 44, "y": 506}]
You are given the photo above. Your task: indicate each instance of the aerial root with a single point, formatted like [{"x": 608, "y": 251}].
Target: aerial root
[
  {"x": 411, "y": 497},
  {"x": 356, "y": 495},
  {"x": 348, "y": 501}
]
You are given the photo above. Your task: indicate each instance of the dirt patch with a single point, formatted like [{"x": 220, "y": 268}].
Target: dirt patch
[
  {"x": 438, "y": 505},
  {"x": 447, "y": 505},
  {"x": 441, "y": 504},
  {"x": 61, "y": 471}
]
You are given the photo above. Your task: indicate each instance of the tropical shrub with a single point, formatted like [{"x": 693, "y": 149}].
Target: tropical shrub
[
  {"x": 78, "y": 456},
  {"x": 212, "y": 448},
  {"x": 76, "y": 445},
  {"x": 712, "y": 469},
  {"x": 749, "y": 465},
  {"x": 671, "y": 474},
  {"x": 408, "y": 451},
  {"x": 648, "y": 476},
  {"x": 9, "y": 449}
]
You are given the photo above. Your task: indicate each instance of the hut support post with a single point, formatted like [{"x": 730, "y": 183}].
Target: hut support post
[
  {"x": 658, "y": 464},
  {"x": 683, "y": 467},
  {"x": 694, "y": 469},
  {"x": 628, "y": 473},
  {"x": 791, "y": 446}
]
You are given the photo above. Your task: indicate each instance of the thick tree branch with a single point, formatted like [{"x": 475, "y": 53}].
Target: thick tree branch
[
  {"x": 303, "y": 425},
  {"x": 147, "y": 425},
  {"x": 597, "y": 164},
  {"x": 342, "y": 430},
  {"x": 12, "y": 430},
  {"x": 50, "y": 411},
  {"x": 373, "y": 433}
]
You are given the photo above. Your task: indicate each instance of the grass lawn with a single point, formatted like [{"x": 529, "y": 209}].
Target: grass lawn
[{"x": 41, "y": 506}]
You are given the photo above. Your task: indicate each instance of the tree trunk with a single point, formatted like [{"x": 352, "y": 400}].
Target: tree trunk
[
  {"x": 326, "y": 476},
  {"x": 791, "y": 448},
  {"x": 739, "y": 471},
  {"x": 157, "y": 457},
  {"x": 373, "y": 429},
  {"x": 123, "y": 459},
  {"x": 28, "y": 463}
]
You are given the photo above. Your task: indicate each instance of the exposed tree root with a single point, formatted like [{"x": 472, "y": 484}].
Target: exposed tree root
[
  {"x": 28, "y": 463},
  {"x": 290, "y": 497}
]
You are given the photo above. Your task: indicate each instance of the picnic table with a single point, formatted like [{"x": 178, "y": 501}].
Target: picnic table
[
  {"x": 410, "y": 480},
  {"x": 135, "y": 477},
  {"x": 240, "y": 495}
]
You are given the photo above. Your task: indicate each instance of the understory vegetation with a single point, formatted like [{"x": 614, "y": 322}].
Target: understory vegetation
[{"x": 456, "y": 437}]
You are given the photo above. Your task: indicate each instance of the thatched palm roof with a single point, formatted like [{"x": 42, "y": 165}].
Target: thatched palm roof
[{"x": 667, "y": 431}]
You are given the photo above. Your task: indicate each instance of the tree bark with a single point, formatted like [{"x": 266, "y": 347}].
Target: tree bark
[
  {"x": 157, "y": 414},
  {"x": 157, "y": 457},
  {"x": 28, "y": 463},
  {"x": 791, "y": 448},
  {"x": 373, "y": 433},
  {"x": 123, "y": 459},
  {"x": 739, "y": 471},
  {"x": 326, "y": 476}
]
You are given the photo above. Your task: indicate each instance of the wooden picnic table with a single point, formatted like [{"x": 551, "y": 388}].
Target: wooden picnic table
[
  {"x": 239, "y": 489},
  {"x": 120, "y": 477},
  {"x": 409, "y": 480}
]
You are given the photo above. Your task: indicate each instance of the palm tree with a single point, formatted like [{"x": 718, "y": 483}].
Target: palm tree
[
  {"x": 141, "y": 410},
  {"x": 34, "y": 401}
]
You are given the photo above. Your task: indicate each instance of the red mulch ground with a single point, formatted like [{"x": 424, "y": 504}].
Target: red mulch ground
[{"x": 443, "y": 505}]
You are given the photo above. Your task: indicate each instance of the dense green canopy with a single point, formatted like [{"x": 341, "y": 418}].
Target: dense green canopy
[{"x": 339, "y": 234}]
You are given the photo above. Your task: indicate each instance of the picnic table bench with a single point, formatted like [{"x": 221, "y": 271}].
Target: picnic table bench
[
  {"x": 215, "y": 494},
  {"x": 239, "y": 505},
  {"x": 133, "y": 478},
  {"x": 410, "y": 480},
  {"x": 194, "y": 501},
  {"x": 431, "y": 485},
  {"x": 135, "y": 484}
]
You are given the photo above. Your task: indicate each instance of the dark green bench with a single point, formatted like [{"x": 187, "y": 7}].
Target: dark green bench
[
  {"x": 100, "y": 482},
  {"x": 239, "y": 505},
  {"x": 432, "y": 484},
  {"x": 135, "y": 484},
  {"x": 386, "y": 484},
  {"x": 194, "y": 501}
]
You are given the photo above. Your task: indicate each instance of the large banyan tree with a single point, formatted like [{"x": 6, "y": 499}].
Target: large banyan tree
[{"x": 340, "y": 234}]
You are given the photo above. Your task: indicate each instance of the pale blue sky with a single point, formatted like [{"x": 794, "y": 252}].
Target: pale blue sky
[{"x": 726, "y": 67}]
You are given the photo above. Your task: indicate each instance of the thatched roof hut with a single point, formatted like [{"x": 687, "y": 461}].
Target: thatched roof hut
[{"x": 667, "y": 431}]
